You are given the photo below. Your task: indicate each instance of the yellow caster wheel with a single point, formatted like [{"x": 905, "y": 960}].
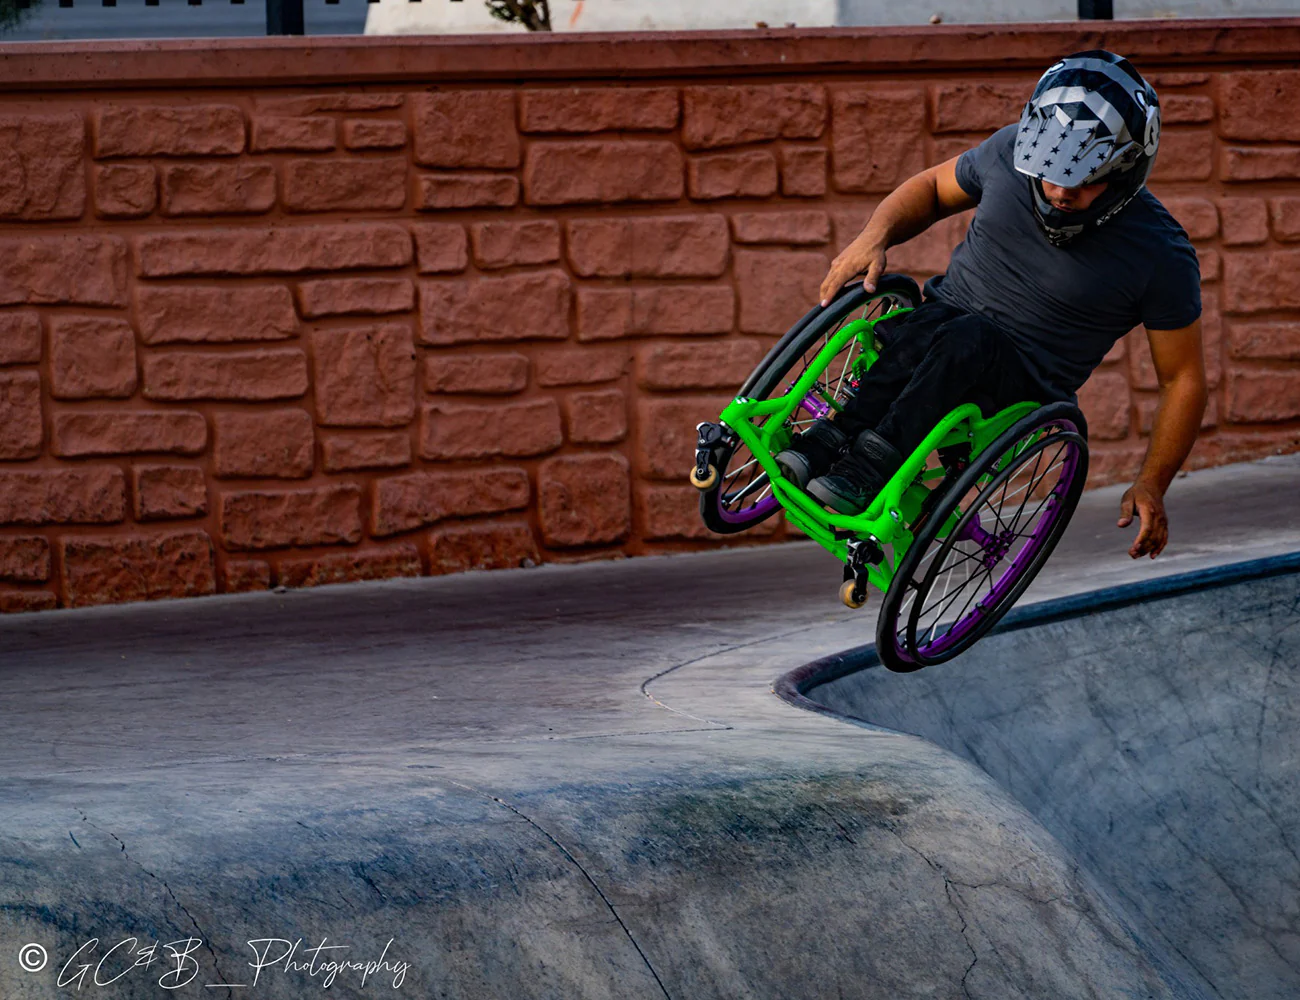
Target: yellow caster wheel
[
  {"x": 707, "y": 482},
  {"x": 851, "y": 596}
]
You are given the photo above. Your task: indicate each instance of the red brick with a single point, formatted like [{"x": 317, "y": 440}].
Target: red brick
[
  {"x": 265, "y": 519},
  {"x": 1260, "y": 163},
  {"x": 777, "y": 288},
  {"x": 943, "y": 150},
  {"x": 632, "y": 312},
  {"x": 374, "y": 133},
  {"x": 1285, "y": 213},
  {"x": 273, "y": 251},
  {"x": 1184, "y": 156},
  {"x": 597, "y": 417},
  {"x": 487, "y": 309},
  {"x": 1257, "y": 105},
  {"x": 1196, "y": 215},
  {"x": 91, "y": 356},
  {"x": 929, "y": 252},
  {"x": 507, "y": 545},
  {"x": 578, "y": 173},
  {"x": 1186, "y": 109},
  {"x": 679, "y": 246},
  {"x": 252, "y": 376},
  {"x": 244, "y": 575},
  {"x": 512, "y": 244},
  {"x": 476, "y": 374},
  {"x": 217, "y": 188},
  {"x": 1104, "y": 399},
  {"x": 41, "y": 172},
  {"x": 18, "y": 601},
  {"x": 751, "y": 174},
  {"x": 285, "y": 134},
  {"x": 1245, "y": 221},
  {"x": 708, "y": 365},
  {"x": 1263, "y": 396},
  {"x": 21, "y": 428},
  {"x": 437, "y": 192},
  {"x": 803, "y": 172},
  {"x": 365, "y": 377},
  {"x": 402, "y": 503},
  {"x": 1212, "y": 335},
  {"x": 168, "y": 491},
  {"x": 1116, "y": 353},
  {"x": 1225, "y": 448},
  {"x": 1141, "y": 367},
  {"x": 584, "y": 500},
  {"x": 353, "y": 452},
  {"x": 356, "y": 297},
  {"x": 580, "y": 366},
  {"x": 124, "y": 432},
  {"x": 342, "y": 100},
  {"x": 978, "y": 107},
  {"x": 1211, "y": 263},
  {"x": 666, "y": 433},
  {"x": 599, "y": 109},
  {"x": 797, "y": 228},
  {"x": 673, "y": 512},
  {"x": 1255, "y": 282},
  {"x": 465, "y": 128},
  {"x": 1177, "y": 79},
  {"x": 137, "y": 568},
  {"x": 440, "y": 247},
  {"x": 24, "y": 559},
  {"x": 63, "y": 270},
  {"x": 264, "y": 443},
  {"x": 732, "y": 116},
  {"x": 338, "y": 185},
  {"x": 85, "y": 495},
  {"x": 877, "y": 138},
  {"x": 402, "y": 560},
  {"x": 160, "y": 130},
  {"x": 1277, "y": 341},
  {"x": 451, "y": 431},
  {"x": 202, "y": 314},
  {"x": 20, "y": 338},
  {"x": 1110, "y": 463}
]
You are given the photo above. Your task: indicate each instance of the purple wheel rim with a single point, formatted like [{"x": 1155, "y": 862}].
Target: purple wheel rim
[{"x": 1023, "y": 561}]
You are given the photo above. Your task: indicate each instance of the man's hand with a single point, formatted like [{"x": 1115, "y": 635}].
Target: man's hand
[
  {"x": 859, "y": 257},
  {"x": 1145, "y": 500}
]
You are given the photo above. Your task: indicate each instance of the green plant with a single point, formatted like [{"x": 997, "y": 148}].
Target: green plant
[
  {"x": 11, "y": 15},
  {"x": 535, "y": 15}
]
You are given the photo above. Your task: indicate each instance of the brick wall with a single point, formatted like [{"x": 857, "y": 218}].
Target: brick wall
[{"x": 288, "y": 313}]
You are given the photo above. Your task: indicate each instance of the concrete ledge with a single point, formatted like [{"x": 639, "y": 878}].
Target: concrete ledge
[{"x": 244, "y": 62}]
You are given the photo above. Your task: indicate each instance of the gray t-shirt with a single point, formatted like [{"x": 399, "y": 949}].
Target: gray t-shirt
[{"x": 1065, "y": 306}]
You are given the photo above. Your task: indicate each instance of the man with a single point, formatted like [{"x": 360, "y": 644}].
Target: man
[{"x": 1067, "y": 252}]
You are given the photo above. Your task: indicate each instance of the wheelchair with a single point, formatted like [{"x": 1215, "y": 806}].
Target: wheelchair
[{"x": 955, "y": 536}]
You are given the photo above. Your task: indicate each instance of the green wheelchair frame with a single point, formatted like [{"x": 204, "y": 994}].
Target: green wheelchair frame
[{"x": 939, "y": 506}]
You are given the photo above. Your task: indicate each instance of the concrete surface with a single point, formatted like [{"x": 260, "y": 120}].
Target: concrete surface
[{"x": 558, "y": 782}]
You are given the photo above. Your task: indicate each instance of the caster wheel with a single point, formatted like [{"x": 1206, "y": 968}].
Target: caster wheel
[
  {"x": 851, "y": 596},
  {"x": 707, "y": 482}
]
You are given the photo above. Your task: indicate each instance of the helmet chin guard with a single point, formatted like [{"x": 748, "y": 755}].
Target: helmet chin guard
[{"x": 1091, "y": 118}]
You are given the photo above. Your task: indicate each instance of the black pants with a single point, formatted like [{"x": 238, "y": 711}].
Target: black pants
[{"x": 935, "y": 359}]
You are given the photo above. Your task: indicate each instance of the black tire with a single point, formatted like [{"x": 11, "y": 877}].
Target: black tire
[
  {"x": 977, "y": 490},
  {"x": 723, "y": 507}
]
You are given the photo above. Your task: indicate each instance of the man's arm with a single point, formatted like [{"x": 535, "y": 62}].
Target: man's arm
[
  {"x": 913, "y": 207},
  {"x": 1180, "y": 368}
]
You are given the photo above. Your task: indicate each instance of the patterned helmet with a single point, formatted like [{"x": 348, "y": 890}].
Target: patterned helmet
[{"x": 1091, "y": 118}]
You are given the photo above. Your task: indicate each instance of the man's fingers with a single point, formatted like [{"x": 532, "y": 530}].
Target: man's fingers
[
  {"x": 1126, "y": 510},
  {"x": 833, "y": 281},
  {"x": 873, "y": 274}
]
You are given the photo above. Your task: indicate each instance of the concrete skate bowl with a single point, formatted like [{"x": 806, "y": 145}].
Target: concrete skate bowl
[{"x": 1153, "y": 730}]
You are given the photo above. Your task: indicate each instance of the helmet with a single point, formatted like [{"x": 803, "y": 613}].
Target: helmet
[{"x": 1091, "y": 118}]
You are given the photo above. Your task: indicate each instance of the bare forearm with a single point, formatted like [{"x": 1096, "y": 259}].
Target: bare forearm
[
  {"x": 910, "y": 209},
  {"x": 1177, "y": 422}
]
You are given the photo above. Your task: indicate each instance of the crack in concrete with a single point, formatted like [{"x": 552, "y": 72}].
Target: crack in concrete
[
  {"x": 202, "y": 937},
  {"x": 585, "y": 874}
]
